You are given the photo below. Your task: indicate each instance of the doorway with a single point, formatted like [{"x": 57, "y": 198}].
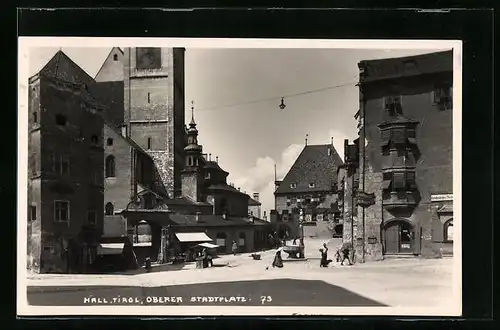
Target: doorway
[{"x": 399, "y": 237}]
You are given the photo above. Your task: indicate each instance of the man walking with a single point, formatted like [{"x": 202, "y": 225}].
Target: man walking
[{"x": 345, "y": 250}]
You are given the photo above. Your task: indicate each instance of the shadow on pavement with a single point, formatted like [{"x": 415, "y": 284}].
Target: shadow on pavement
[{"x": 282, "y": 292}]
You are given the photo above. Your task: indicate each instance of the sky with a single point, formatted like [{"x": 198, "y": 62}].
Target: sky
[{"x": 237, "y": 93}]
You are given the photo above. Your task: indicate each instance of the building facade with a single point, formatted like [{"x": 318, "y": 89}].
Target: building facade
[
  {"x": 404, "y": 191},
  {"x": 254, "y": 206},
  {"x": 65, "y": 179},
  {"x": 310, "y": 187}
]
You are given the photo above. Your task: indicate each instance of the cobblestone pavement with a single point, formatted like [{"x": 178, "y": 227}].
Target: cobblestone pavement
[{"x": 395, "y": 282}]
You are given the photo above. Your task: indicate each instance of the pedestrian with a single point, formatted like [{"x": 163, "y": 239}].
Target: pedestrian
[
  {"x": 148, "y": 264},
  {"x": 324, "y": 261},
  {"x": 278, "y": 261},
  {"x": 345, "y": 250},
  {"x": 234, "y": 247}
]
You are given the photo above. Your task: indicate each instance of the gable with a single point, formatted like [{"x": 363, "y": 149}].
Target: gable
[
  {"x": 316, "y": 164},
  {"x": 62, "y": 67},
  {"x": 112, "y": 68}
]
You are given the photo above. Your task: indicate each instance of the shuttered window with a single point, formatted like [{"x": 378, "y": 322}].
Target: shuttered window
[
  {"x": 399, "y": 180},
  {"x": 398, "y": 135},
  {"x": 410, "y": 180},
  {"x": 385, "y": 136}
]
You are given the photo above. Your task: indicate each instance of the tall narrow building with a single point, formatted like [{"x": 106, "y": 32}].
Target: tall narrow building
[{"x": 154, "y": 108}]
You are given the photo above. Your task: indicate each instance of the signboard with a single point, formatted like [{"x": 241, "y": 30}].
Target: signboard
[{"x": 442, "y": 198}]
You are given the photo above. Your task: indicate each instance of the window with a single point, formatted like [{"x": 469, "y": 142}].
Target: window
[
  {"x": 109, "y": 209},
  {"x": 319, "y": 217},
  {"x": 35, "y": 118},
  {"x": 110, "y": 166},
  {"x": 149, "y": 143},
  {"x": 109, "y": 142},
  {"x": 443, "y": 96},
  {"x": 293, "y": 185},
  {"x": 91, "y": 218},
  {"x": 221, "y": 241},
  {"x": 149, "y": 97},
  {"x": 241, "y": 240},
  {"x": 61, "y": 209},
  {"x": 312, "y": 185},
  {"x": 393, "y": 104},
  {"x": 398, "y": 135},
  {"x": 448, "y": 231},
  {"x": 60, "y": 120},
  {"x": 61, "y": 163},
  {"x": 115, "y": 57},
  {"x": 94, "y": 139},
  {"x": 33, "y": 212},
  {"x": 394, "y": 181}
]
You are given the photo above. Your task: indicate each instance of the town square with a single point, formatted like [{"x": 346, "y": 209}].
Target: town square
[{"x": 168, "y": 176}]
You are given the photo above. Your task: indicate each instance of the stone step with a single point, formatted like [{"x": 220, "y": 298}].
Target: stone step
[{"x": 400, "y": 256}]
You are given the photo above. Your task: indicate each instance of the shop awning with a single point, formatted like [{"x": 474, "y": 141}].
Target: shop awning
[
  {"x": 193, "y": 237},
  {"x": 208, "y": 245},
  {"x": 110, "y": 248}
]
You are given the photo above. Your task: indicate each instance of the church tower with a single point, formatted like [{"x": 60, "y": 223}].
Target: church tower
[
  {"x": 154, "y": 108},
  {"x": 192, "y": 176}
]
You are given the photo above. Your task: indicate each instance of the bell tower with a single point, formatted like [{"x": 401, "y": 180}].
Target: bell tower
[
  {"x": 154, "y": 108},
  {"x": 192, "y": 176}
]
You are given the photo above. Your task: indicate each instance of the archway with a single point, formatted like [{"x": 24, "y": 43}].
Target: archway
[
  {"x": 399, "y": 237},
  {"x": 338, "y": 230},
  {"x": 448, "y": 231}
]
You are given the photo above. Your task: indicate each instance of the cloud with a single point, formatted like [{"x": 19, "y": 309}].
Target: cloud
[{"x": 260, "y": 177}]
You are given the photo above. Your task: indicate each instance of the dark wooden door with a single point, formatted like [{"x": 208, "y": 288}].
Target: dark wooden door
[{"x": 392, "y": 239}]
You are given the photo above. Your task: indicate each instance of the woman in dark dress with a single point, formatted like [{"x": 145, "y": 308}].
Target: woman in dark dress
[
  {"x": 278, "y": 261},
  {"x": 324, "y": 258}
]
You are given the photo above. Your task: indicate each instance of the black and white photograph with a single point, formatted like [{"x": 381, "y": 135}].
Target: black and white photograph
[{"x": 239, "y": 177}]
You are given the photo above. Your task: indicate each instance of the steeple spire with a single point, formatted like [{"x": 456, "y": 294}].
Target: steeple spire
[{"x": 192, "y": 123}]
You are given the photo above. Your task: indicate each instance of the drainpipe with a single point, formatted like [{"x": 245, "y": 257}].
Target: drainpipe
[{"x": 362, "y": 112}]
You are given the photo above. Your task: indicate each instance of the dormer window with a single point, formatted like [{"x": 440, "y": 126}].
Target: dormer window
[
  {"x": 293, "y": 185},
  {"x": 312, "y": 185}
]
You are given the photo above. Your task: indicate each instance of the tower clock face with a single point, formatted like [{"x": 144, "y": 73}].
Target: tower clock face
[{"x": 148, "y": 58}]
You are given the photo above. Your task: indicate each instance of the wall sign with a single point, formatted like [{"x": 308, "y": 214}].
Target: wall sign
[
  {"x": 441, "y": 197},
  {"x": 372, "y": 240}
]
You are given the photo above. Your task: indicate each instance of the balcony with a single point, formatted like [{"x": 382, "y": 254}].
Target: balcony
[{"x": 399, "y": 200}]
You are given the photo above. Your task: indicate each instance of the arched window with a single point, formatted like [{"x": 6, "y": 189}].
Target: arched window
[
  {"x": 109, "y": 209},
  {"x": 142, "y": 234},
  {"x": 448, "y": 230},
  {"x": 110, "y": 166}
]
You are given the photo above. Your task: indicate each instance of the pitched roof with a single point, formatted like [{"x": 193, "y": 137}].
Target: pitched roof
[
  {"x": 214, "y": 165},
  {"x": 225, "y": 187},
  {"x": 253, "y": 202},
  {"x": 184, "y": 201},
  {"x": 406, "y": 66},
  {"x": 111, "y": 94},
  {"x": 315, "y": 165},
  {"x": 60, "y": 66},
  {"x": 208, "y": 220}
]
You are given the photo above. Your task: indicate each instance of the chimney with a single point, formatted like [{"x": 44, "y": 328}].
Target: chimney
[
  {"x": 256, "y": 196},
  {"x": 265, "y": 216},
  {"x": 239, "y": 189},
  {"x": 217, "y": 159},
  {"x": 210, "y": 157},
  {"x": 124, "y": 130}
]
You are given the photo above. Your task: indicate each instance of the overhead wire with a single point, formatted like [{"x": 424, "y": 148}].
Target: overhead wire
[{"x": 286, "y": 96}]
